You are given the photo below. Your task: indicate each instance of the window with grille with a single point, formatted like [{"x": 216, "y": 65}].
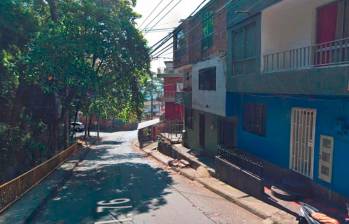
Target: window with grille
[
  {"x": 244, "y": 49},
  {"x": 207, "y": 79},
  {"x": 207, "y": 30},
  {"x": 255, "y": 119}
]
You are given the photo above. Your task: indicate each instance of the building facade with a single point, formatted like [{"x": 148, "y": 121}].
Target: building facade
[
  {"x": 288, "y": 87},
  {"x": 172, "y": 86},
  {"x": 200, "y": 48},
  {"x": 270, "y": 78}
]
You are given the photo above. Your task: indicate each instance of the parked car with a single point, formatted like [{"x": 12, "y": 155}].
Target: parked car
[{"x": 77, "y": 126}]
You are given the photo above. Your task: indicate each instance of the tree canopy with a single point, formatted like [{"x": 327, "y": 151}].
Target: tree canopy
[{"x": 58, "y": 57}]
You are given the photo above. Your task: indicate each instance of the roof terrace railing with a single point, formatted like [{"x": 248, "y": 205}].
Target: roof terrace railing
[{"x": 319, "y": 55}]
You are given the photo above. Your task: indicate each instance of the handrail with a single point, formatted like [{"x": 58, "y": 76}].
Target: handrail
[
  {"x": 241, "y": 160},
  {"x": 14, "y": 189},
  {"x": 323, "y": 54}
]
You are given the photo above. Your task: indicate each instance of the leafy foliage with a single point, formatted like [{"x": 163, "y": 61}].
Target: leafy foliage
[{"x": 66, "y": 55}]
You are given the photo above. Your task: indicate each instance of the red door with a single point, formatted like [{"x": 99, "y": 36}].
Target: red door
[{"x": 326, "y": 33}]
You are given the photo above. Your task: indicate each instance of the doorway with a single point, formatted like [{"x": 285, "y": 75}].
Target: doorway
[{"x": 303, "y": 122}]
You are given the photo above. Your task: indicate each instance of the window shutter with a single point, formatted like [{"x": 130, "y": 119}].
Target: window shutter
[{"x": 326, "y": 158}]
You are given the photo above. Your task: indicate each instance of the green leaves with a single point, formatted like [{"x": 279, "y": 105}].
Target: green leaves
[{"x": 93, "y": 49}]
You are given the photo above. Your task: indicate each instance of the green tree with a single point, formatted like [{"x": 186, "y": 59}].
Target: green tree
[
  {"x": 60, "y": 56},
  {"x": 91, "y": 49}
]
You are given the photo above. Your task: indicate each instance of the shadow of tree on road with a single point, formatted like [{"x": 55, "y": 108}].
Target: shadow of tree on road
[{"x": 103, "y": 177}]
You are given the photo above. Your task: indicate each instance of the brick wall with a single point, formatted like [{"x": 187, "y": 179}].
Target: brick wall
[{"x": 192, "y": 28}]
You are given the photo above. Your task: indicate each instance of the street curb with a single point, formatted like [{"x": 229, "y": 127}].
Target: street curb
[
  {"x": 190, "y": 177},
  {"x": 221, "y": 193},
  {"x": 236, "y": 201},
  {"x": 267, "y": 218}
]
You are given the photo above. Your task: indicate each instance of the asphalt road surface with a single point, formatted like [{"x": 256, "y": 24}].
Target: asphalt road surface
[{"x": 118, "y": 184}]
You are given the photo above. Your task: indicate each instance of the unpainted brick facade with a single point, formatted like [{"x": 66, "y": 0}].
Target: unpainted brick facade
[{"x": 192, "y": 28}]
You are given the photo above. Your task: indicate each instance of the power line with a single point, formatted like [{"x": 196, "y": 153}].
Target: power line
[
  {"x": 159, "y": 30},
  {"x": 151, "y": 13},
  {"x": 161, "y": 11},
  {"x": 166, "y": 52},
  {"x": 217, "y": 12},
  {"x": 197, "y": 8},
  {"x": 166, "y": 14},
  {"x": 163, "y": 50},
  {"x": 164, "y": 41}
]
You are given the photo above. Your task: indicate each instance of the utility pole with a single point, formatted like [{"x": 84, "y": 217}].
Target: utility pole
[{"x": 151, "y": 96}]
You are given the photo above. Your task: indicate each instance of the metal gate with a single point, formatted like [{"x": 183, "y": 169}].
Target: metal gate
[{"x": 303, "y": 123}]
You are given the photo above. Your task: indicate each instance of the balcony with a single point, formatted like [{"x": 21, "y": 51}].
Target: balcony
[
  {"x": 321, "y": 69},
  {"x": 316, "y": 56}
]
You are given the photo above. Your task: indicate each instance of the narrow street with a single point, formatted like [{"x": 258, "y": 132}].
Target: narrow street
[{"x": 118, "y": 184}]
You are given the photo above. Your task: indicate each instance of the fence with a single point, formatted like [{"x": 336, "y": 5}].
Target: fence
[
  {"x": 172, "y": 130},
  {"x": 14, "y": 189},
  {"x": 241, "y": 160},
  {"x": 324, "y": 54}
]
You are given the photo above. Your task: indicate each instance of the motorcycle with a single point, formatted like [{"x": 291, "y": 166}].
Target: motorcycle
[
  {"x": 310, "y": 215},
  {"x": 304, "y": 216}
]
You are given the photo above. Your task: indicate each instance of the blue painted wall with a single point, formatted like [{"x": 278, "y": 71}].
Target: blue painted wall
[{"x": 275, "y": 146}]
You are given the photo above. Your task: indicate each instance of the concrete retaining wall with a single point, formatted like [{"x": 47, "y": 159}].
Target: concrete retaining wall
[{"x": 239, "y": 178}]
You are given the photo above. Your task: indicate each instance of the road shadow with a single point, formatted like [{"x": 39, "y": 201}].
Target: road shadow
[{"x": 104, "y": 177}]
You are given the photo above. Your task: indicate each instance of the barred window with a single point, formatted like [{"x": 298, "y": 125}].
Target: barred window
[
  {"x": 244, "y": 50},
  {"x": 254, "y": 120}
]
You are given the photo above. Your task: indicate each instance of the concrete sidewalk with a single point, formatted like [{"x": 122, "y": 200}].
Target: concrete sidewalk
[
  {"x": 270, "y": 214},
  {"x": 23, "y": 210}
]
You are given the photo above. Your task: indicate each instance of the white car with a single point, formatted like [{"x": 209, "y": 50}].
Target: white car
[{"x": 77, "y": 126}]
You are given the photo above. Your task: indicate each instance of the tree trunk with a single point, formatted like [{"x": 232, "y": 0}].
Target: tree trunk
[
  {"x": 86, "y": 126},
  {"x": 53, "y": 10},
  {"x": 76, "y": 114},
  {"x": 65, "y": 121},
  {"x": 89, "y": 127},
  {"x": 52, "y": 136},
  {"x": 97, "y": 128}
]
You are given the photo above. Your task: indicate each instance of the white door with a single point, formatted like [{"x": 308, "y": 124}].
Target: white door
[
  {"x": 326, "y": 158},
  {"x": 303, "y": 122}
]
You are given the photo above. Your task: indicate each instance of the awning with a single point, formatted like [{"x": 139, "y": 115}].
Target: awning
[{"x": 147, "y": 124}]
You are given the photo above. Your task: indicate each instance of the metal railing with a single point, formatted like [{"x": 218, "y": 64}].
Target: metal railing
[
  {"x": 324, "y": 54},
  {"x": 172, "y": 129},
  {"x": 241, "y": 160},
  {"x": 14, "y": 189},
  {"x": 173, "y": 126}
]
